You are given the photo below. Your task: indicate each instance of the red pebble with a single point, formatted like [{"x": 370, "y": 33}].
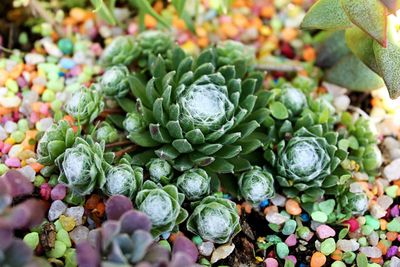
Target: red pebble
[
  {"x": 353, "y": 223},
  {"x": 45, "y": 191}
]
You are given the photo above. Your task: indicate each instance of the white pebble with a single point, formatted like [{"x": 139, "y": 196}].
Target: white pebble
[
  {"x": 371, "y": 252},
  {"x": 76, "y": 213},
  {"x": 10, "y": 126},
  {"x": 51, "y": 48},
  {"x": 341, "y": 103},
  {"x": 56, "y": 209},
  {"x": 34, "y": 58},
  {"x": 3, "y": 133},
  {"x": 275, "y": 217},
  {"x": 15, "y": 150},
  {"x": 222, "y": 252},
  {"x": 385, "y": 201},
  {"x": 392, "y": 171},
  {"x": 377, "y": 211},
  {"x": 79, "y": 234},
  {"x": 206, "y": 248},
  {"x": 279, "y": 200},
  {"x": 373, "y": 239},
  {"x": 28, "y": 172},
  {"x": 347, "y": 245}
]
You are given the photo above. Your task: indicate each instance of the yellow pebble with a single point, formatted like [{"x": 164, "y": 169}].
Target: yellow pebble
[
  {"x": 68, "y": 223},
  {"x": 265, "y": 30},
  {"x": 10, "y": 141}
]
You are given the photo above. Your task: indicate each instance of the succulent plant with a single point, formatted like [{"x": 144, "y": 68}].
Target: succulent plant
[
  {"x": 106, "y": 133},
  {"x": 372, "y": 40},
  {"x": 53, "y": 143},
  {"x": 306, "y": 161},
  {"x": 357, "y": 203},
  {"x": 231, "y": 51},
  {"x": 125, "y": 240},
  {"x": 133, "y": 124},
  {"x": 83, "y": 166},
  {"x": 256, "y": 185},
  {"x": 123, "y": 180},
  {"x": 160, "y": 171},
  {"x": 361, "y": 142},
  {"x": 122, "y": 50},
  {"x": 194, "y": 183},
  {"x": 199, "y": 114},
  {"x": 215, "y": 219},
  {"x": 162, "y": 205},
  {"x": 115, "y": 81},
  {"x": 85, "y": 105}
]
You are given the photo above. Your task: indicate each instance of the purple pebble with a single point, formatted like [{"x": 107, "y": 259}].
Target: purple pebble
[
  {"x": 394, "y": 212},
  {"x": 391, "y": 251},
  {"x": 59, "y": 192}
]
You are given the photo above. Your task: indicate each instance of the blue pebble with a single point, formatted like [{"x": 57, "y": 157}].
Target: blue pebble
[
  {"x": 303, "y": 265},
  {"x": 304, "y": 217},
  {"x": 264, "y": 203},
  {"x": 67, "y": 63},
  {"x": 61, "y": 74},
  {"x": 166, "y": 235}
]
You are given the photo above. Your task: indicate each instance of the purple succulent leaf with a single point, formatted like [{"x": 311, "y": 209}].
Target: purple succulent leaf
[
  {"x": 157, "y": 254},
  {"x": 17, "y": 183},
  {"x": 116, "y": 255},
  {"x": 141, "y": 242},
  {"x": 125, "y": 243},
  {"x": 117, "y": 205},
  {"x": 109, "y": 230},
  {"x": 113, "y": 264},
  {"x": 6, "y": 238},
  {"x": 144, "y": 264},
  {"x": 18, "y": 254},
  {"x": 94, "y": 238},
  {"x": 181, "y": 259},
  {"x": 27, "y": 214},
  {"x": 5, "y": 197},
  {"x": 186, "y": 246},
  {"x": 87, "y": 256},
  {"x": 134, "y": 220}
]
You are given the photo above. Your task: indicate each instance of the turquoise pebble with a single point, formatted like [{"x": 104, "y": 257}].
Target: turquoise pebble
[
  {"x": 66, "y": 46},
  {"x": 366, "y": 229},
  {"x": 282, "y": 250},
  {"x": 197, "y": 240},
  {"x": 371, "y": 221},
  {"x": 328, "y": 246},
  {"x": 32, "y": 240},
  {"x": 67, "y": 63},
  {"x": 289, "y": 227}
]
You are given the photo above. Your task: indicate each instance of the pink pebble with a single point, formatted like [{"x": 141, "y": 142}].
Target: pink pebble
[
  {"x": 59, "y": 192},
  {"x": 44, "y": 109},
  {"x": 1, "y": 145},
  {"x": 6, "y": 148},
  {"x": 45, "y": 191},
  {"x": 324, "y": 231},
  {"x": 271, "y": 262},
  {"x": 13, "y": 162},
  {"x": 34, "y": 117},
  {"x": 292, "y": 259},
  {"x": 225, "y": 19},
  {"x": 291, "y": 240},
  {"x": 133, "y": 28}
]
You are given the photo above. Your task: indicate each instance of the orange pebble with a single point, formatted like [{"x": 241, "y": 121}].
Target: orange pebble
[
  {"x": 149, "y": 21},
  {"x": 240, "y": 20},
  {"x": 247, "y": 207},
  {"x": 337, "y": 255},
  {"x": 377, "y": 260},
  {"x": 3, "y": 77},
  {"x": 318, "y": 259},
  {"x": 203, "y": 42},
  {"x": 78, "y": 14},
  {"x": 36, "y": 106},
  {"x": 38, "y": 88},
  {"x": 36, "y": 166},
  {"x": 268, "y": 11},
  {"x": 309, "y": 54},
  {"x": 383, "y": 224},
  {"x": 382, "y": 247},
  {"x": 178, "y": 23},
  {"x": 158, "y": 6},
  {"x": 5, "y": 111},
  {"x": 16, "y": 71},
  {"x": 69, "y": 119},
  {"x": 292, "y": 207},
  {"x": 391, "y": 236},
  {"x": 201, "y": 32},
  {"x": 289, "y": 34},
  {"x": 229, "y": 30}
]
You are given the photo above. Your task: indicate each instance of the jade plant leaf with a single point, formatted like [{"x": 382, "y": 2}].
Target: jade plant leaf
[
  {"x": 369, "y": 15},
  {"x": 353, "y": 74},
  {"x": 326, "y": 15},
  {"x": 388, "y": 60},
  {"x": 332, "y": 49},
  {"x": 362, "y": 46}
]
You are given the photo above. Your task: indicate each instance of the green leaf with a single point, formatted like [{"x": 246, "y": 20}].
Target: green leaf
[
  {"x": 388, "y": 60},
  {"x": 105, "y": 11},
  {"x": 143, "y": 139},
  {"x": 145, "y": 7},
  {"x": 128, "y": 105},
  {"x": 179, "y": 6},
  {"x": 221, "y": 166},
  {"x": 278, "y": 110},
  {"x": 182, "y": 145},
  {"x": 326, "y": 15},
  {"x": 352, "y": 73},
  {"x": 332, "y": 49},
  {"x": 369, "y": 15}
]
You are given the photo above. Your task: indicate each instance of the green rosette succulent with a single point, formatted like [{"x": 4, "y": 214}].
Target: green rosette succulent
[
  {"x": 160, "y": 171},
  {"x": 215, "y": 219},
  {"x": 200, "y": 115},
  {"x": 357, "y": 203},
  {"x": 122, "y": 50},
  {"x": 83, "y": 166},
  {"x": 85, "y": 105},
  {"x": 194, "y": 183},
  {"x": 305, "y": 162},
  {"x": 256, "y": 185},
  {"x": 123, "y": 180},
  {"x": 133, "y": 123},
  {"x": 231, "y": 51},
  {"x": 162, "y": 205},
  {"x": 361, "y": 142},
  {"x": 115, "y": 81},
  {"x": 54, "y": 141},
  {"x": 105, "y": 132}
]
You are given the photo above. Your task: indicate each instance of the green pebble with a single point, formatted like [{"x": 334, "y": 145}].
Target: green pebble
[
  {"x": 366, "y": 229},
  {"x": 319, "y": 216},
  {"x": 53, "y": 181},
  {"x": 303, "y": 232},
  {"x": 391, "y": 191},
  {"x": 23, "y": 125},
  {"x": 23, "y": 38},
  {"x": 56, "y": 105},
  {"x": 363, "y": 241},
  {"x": 48, "y": 95},
  {"x": 338, "y": 264},
  {"x": 165, "y": 244},
  {"x": 18, "y": 136},
  {"x": 275, "y": 227},
  {"x": 3, "y": 168},
  {"x": 70, "y": 258},
  {"x": 328, "y": 246},
  {"x": 58, "y": 250},
  {"x": 63, "y": 236},
  {"x": 373, "y": 265},
  {"x": 12, "y": 85},
  {"x": 289, "y": 227},
  {"x": 205, "y": 262},
  {"x": 58, "y": 225},
  {"x": 394, "y": 225},
  {"x": 349, "y": 257},
  {"x": 55, "y": 84},
  {"x": 39, "y": 180},
  {"x": 273, "y": 239},
  {"x": 282, "y": 250},
  {"x": 197, "y": 240},
  {"x": 371, "y": 221},
  {"x": 32, "y": 240},
  {"x": 66, "y": 46}
]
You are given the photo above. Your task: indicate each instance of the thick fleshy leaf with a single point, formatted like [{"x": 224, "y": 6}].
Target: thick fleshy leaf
[
  {"x": 174, "y": 129},
  {"x": 182, "y": 145},
  {"x": 195, "y": 137},
  {"x": 221, "y": 166},
  {"x": 126, "y": 104},
  {"x": 117, "y": 205},
  {"x": 278, "y": 110},
  {"x": 167, "y": 152},
  {"x": 143, "y": 139},
  {"x": 17, "y": 183},
  {"x": 87, "y": 256},
  {"x": 134, "y": 220},
  {"x": 209, "y": 149},
  {"x": 185, "y": 245},
  {"x": 229, "y": 151},
  {"x": 159, "y": 134},
  {"x": 332, "y": 48},
  {"x": 326, "y": 15},
  {"x": 369, "y": 15},
  {"x": 141, "y": 241}
]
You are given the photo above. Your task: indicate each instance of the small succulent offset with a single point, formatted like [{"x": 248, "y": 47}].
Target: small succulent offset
[
  {"x": 83, "y": 166},
  {"x": 215, "y": 219},
  {"x": 199, "y": 114},
  {"x": 133, "y": 124},
  {"x": 256, "y": 185},
  {"x": 194, "y": 183},
  {"x": 122, "y": 50},
  {"x": 53, "y": 143},
  {"x": 162, "y": 205},
  {"x": 85, "y": 105},
  {"x": 230, "y": 52},
  {"x": 115, "y": 81},
  {"x": 122, "y": 179},
  {"x": 105, "y": 132},
  {"x": 160, "y": 171},
  {"x": 125, "y": 240}
]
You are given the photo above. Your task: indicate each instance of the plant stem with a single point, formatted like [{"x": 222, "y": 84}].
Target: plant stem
[
  {"x": 39, "y": 11},
  {"x": 119, "y": 143},
  {"x": 128, "y": 149}
]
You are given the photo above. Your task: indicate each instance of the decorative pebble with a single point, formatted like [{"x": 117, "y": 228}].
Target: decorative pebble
[
  {"x": 319, "y": 216},
  {"x": 56, "y": 209},
  {"x": 275, "y": 217},
  {"x": 206, "y": 248},
  {"x": 292, "y": 207},
  {"x": 325, "y": 231},
  {"x": 271, "y": 262},
  {"x": 318, "y": 259},
  {"x": 347, "y": 245},
  {"x": 79, "y": 234},
  {"x": 291, "y": 240},
  {"x": 222, "y": 252},
  {"x": 32, "y": 240},
  {"x": 328, "y": 246},
  {"x": 68, "y": 223},
  {"x": 289, "y": 227},
  {"x": 282, "y": 250},
  {"x": 371, "y": 252},
  {"x": 394, "y": 225},
  {"x": 76, "y": 213},
  {"x": 392, "y": 171}
]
